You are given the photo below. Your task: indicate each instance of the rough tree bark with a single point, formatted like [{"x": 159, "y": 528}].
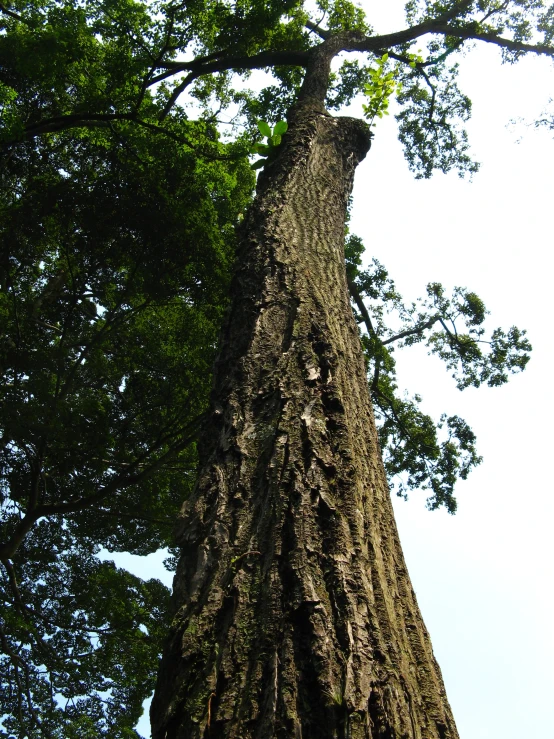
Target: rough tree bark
[{"x": 295, "y": 616}]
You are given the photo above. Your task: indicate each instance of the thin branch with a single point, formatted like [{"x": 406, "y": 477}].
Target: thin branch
[
  {"x": 398, "y": 420},
  {"x": 183, "y": 140},
  {"x": 13, "y": 582},
  {"x": 119, "y": 483},
  {"x": 413, "y": 331},
  {"x": 72, "y": 120},
  {"x": 15, "y": 660},
  {"x": 105, "y": 120},
  {"x": 355, "y": 293},
  {"x": 433, "y": 89},
  {"x": 494, "y": 10},
  {"x": 24, "y": 610},
  {"x": 429, "y": 63},
  {"x": 376, "y": 371},
  {"x": 163, "y": 51},
  {"x": 4, "y": 645},
  {"x": 454, "y": 11}
]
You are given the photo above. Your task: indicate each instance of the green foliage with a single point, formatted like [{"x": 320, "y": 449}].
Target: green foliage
[
  {"x": 523, "y": 21},
  {"x": 10, "y": 123},
  {"x": 418, "y": 452},
  {"x": 344, "y": 15},
  {"x": 353, "y": 250},
  {"x": 432, "y": 109},
  {"x": 346, "y": 83},
  {"x": 80, "y": 641},
  {"x": 418, "y": 11},
  {"x": 429, "y": 123},
  {"x": 116, "y": 245},
  {"x": 273, "y": 137},
  {"x": 381, "y": 86},
  {"x": 463, "y": 353}
]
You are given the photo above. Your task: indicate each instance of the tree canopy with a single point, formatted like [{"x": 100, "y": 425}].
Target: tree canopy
[{"x": 121, "y": 190}]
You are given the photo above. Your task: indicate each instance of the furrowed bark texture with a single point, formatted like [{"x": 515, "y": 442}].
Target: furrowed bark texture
[{"x": 295, "y": 616}]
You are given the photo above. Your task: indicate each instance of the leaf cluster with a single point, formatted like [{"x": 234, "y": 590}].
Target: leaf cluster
[
  {"x": 379, "y": 89},
  {"x": 343, "y": 15},
  {"x": 433, "y": 111},
  {"x": 269, "y": 150},
  {"x": 115, "y": 255},
  {"x": 80, "y": 640},
  {"x": 420, "y": 453}
]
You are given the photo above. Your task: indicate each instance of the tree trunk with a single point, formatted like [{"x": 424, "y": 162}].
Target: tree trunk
[{"x": 295, "y": 616}]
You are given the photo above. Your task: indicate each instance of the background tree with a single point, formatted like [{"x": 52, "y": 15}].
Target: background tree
[
  {"x": 62, "y": 116},
  {"x": 116, "y": 249}
]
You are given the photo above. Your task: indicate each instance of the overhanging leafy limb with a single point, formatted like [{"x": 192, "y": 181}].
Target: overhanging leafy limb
[{"x": 419, "y": 452}]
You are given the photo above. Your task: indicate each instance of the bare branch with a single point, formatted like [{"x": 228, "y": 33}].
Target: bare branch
[
  {"x": 355, "y": 293},
  {"x": 317, "y": 29},
  {"x": 413, "y": 331}
]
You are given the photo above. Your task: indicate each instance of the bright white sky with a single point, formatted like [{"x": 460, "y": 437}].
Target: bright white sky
[{"x": 484, "y": 577}]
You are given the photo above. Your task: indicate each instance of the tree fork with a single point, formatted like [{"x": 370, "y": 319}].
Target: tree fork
[{"x": 294, "y": 612}]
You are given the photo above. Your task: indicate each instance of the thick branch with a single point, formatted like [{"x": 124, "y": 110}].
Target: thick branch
[
  {"x": 440, "y": 26},
  {"x": 181, "y": 87},
  {"x": 491, "y": 38},
  {"x": 317, "y": 62},
  {"x": 100, "y": 120},
  {"x": 324, "y": 34},
  {"x": 355, "y": 293},
  {"x": 200, "y": 67},
  {"x": 135, "y": 517},
  {"x": 11, "y": 14},
  {"x": 74, "y": 120},
  {"x": 318, "y": 59},
  {"x": 354, "y": 41}
]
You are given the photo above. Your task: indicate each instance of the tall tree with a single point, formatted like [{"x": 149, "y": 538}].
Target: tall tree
[{"x": 293, "y": 610}]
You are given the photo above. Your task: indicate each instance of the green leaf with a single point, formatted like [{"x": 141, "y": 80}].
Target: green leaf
[
  {"x": 259, "y": 164},
  {"x": 280, "y": 128},
  {"x": 264, "y": 128},
  {"x": 275, "y": 140}
]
